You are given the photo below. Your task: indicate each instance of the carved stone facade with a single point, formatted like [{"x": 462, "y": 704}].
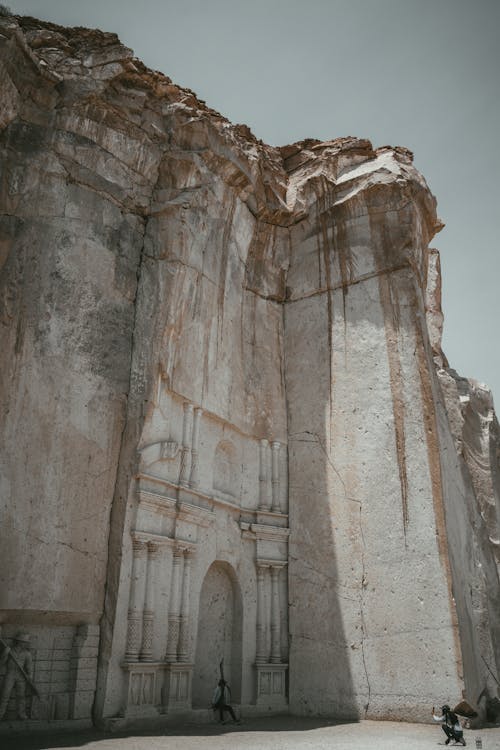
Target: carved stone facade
[
  {"x": 195, "y": 543},
  {"x": 228, "y": 428}
]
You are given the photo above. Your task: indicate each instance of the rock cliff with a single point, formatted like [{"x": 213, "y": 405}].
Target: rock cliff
[{"x": 154, "y": 255}]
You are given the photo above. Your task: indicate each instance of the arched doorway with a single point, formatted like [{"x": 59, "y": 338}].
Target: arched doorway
[{"x": 219, "y": 634}]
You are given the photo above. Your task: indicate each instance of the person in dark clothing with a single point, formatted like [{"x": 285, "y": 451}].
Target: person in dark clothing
[
  {"x": 220, "y": 701},
  {"x": 451, "y": 724}
]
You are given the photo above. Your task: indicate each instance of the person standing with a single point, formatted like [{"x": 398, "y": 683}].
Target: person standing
[
  {"x": 221, "y": 701},
  {"x": 450, "y": 723}
]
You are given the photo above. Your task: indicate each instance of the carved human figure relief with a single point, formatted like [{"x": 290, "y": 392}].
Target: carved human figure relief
[{"x": 19, "y": 671}]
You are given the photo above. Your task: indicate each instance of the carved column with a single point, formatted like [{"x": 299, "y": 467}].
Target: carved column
[
  {"x": 184, "y": 618},
  {"x": 174, "y": 609},
  {"x": 187, "y": 426},
  {"x": 136, "y": 600},
  {"x": 261, "y": 656},
  {"x": 149, "y": 605},
  {"x": 275, "y": 448},
  {"x": 193, "y": 477},
  {"x": 275, "y": 616},
  {"x": 263, "y": 475}
]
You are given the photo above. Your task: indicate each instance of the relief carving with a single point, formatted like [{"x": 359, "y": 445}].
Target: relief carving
[
  {"x": 19, "y": 671},
  {"x": 169, "y": 450}
]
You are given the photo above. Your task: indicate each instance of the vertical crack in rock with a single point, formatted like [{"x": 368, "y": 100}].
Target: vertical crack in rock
[
  {"x": 226, "y": 234},
  {"x": 391, "y": 323},
  {"x": 361, "y": 606},
  {"x": 347, "y": 263},
  {"x": 327, "y": 251}
]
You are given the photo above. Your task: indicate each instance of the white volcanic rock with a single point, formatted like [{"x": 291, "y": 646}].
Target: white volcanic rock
[{"x": 223, "y": 430}]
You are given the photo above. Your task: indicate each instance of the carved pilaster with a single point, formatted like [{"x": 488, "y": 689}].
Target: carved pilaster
[
  {"x": 264, "y": 501},
  {"x": 261, "y": 656},
  {"x": 149, "y": 605},
  {"x": 136, "y": 600},
  {"x": 193, "y": 477},
  {"x": 184, "y": 618},
  {"x": 275, "y": 450},
  {"x": 187, "y": 427},
  {"x": 174, "y": 609},
  {"x": 275, "y": 616}
]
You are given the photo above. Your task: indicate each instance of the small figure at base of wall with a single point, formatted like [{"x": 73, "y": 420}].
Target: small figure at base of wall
[
  {"x": 220, "y": 701},
  {"x": 450, "y": 724},
  {"x": 19, "y": 671}
]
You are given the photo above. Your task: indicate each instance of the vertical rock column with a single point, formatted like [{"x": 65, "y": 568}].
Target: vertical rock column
[
  {"x": 136, "y": 600},
  {"x": 149, "y": 605},
  {"x": 275, "y": 616},
  {"x": 187, "y": 427},
  {"x": 184, "y": 616},
  {"x": 261, "y": 656},
  {"x": 275, "y": 448},
  {"x": 264, "y": 503},
  {"x": 193, "y": 477},
  {"x": 174, "y": 612}
]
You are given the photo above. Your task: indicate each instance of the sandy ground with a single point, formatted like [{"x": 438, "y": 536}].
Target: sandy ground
[{"x": 278, "y": 733}]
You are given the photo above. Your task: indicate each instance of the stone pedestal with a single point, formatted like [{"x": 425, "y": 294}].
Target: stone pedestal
[
  {"x": 177, "y": 687},
  {"x": 272, "y": 689},
  {"x": 142, "y": 688}
]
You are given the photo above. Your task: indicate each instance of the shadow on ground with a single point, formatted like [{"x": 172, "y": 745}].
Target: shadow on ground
[{"x": 69, "y": 739}]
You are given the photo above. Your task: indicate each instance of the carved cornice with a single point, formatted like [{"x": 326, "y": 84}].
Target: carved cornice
[
  {"x": 270, "y": 667},
  {"x": 229, "y": 505},
  {"x": 179, "y": 545},
  {"x": 265, "y": 562},
  {"x": 270, "y": 533},
  {"x": 195, "y": 514},
  {"x": 146, "y": 536},
  {"x": 183, "y": 545},
  {"x": 156, "y": 480},
  {"x": 270, "y": 514},
  {"x": 159, "y": 503}
]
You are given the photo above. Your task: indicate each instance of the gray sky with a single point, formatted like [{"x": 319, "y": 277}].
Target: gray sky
[{"x": 419, "y": 73}]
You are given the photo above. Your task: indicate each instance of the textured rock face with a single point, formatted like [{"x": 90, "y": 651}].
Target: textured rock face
[{"x": 224, "y": 431}]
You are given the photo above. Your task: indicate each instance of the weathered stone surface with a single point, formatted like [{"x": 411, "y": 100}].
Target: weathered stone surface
[{"x": 224, "y": 432}]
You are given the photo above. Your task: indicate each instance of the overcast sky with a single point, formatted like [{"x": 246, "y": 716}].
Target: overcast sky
[{"x": 419, "y": 73}]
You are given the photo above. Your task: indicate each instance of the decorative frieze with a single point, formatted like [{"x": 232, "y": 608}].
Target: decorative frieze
[
  {"x": 161, "y": 504},
  {"x": 195, "y": 514},
  {"x": 270, "y": 533}
]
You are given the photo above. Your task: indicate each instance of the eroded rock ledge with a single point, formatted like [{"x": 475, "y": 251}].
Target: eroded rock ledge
[{"x": 225, "y": 358}]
